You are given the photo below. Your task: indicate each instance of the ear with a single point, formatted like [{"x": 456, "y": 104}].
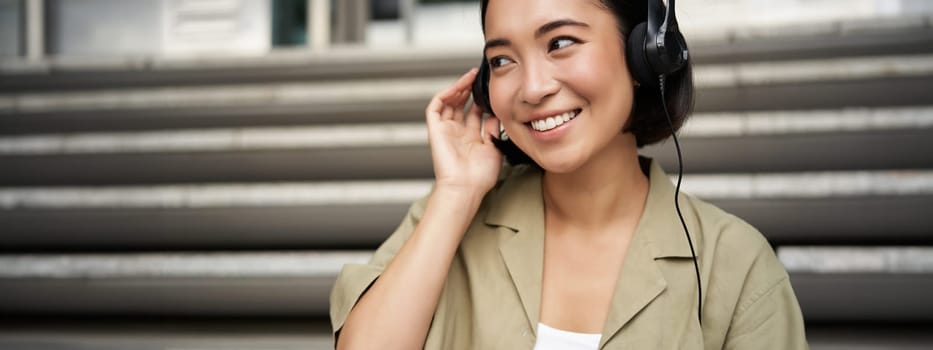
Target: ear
[{"x": 636, "y": 59}]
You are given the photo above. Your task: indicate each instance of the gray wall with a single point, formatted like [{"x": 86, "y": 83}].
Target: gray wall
[
  {"x": 95, "y": 27},
  {"x": 157, "y": 27},
  {"x": 916, "y": 6}
]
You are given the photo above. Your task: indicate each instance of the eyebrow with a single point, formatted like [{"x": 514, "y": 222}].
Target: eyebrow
[{"x": 544, "y": 29}]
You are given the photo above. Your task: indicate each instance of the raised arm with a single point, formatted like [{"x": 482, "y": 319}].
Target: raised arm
[{"x": 396, "y": 311}]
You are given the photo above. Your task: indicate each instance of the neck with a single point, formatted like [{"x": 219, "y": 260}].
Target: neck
[{"x": 610, "y": 188}]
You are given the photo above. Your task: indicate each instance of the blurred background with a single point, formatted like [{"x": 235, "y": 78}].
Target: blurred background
[{"x": 192, "y": 174}]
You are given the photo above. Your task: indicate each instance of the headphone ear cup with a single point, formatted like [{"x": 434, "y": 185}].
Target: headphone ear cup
[
  {"x": 636, "y": 58},
  {"x": 481, "y": 87}
]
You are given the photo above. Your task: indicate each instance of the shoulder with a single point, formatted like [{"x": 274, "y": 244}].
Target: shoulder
[
  {"x": 750, "y": 301},
  {"x": 739, "y": 258},
  {"x": 728, "y": 236},
  {"x": 724, "y": 232}
]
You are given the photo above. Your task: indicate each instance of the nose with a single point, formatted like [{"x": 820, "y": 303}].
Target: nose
[{"x": 538, "y": 83}]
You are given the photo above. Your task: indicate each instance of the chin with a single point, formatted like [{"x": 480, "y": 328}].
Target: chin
[{"x": 561, "y": 163}]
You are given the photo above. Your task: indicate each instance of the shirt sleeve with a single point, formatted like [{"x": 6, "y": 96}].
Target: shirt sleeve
[
  {"x": 768, "y": 318},
  {"x": 354, "y": 279}
]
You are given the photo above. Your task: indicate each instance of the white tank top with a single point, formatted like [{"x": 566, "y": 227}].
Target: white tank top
[{"x": 556, "y": 339}]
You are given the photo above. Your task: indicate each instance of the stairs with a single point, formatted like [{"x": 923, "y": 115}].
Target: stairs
[{"x": 152, "y": 203}]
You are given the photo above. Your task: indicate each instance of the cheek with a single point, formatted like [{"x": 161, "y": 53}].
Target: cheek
[
  {"x": 602, "y": 79},
  {"x": 500, "y": 97},
  {"x": 595, "y": 73}
]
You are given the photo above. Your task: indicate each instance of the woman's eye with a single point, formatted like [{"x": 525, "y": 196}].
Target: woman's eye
[
  {"x": 498, "y": 61},
  {"x": 561, "y": 43}
]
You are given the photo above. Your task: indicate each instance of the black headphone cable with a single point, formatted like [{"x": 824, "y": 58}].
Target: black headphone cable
[{"x": 680, "y": 175}]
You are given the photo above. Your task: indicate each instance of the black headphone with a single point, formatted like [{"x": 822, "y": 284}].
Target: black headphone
[{"x": 656, "y": 48}]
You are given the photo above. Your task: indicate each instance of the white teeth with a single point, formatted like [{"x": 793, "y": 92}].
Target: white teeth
[{"x": 552, "y": 122}]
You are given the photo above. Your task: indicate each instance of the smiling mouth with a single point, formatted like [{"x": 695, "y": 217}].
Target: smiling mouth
[{"x": 555, "y": 121}]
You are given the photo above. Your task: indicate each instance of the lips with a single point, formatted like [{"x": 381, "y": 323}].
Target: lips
[{"x": 552, "y": 122}]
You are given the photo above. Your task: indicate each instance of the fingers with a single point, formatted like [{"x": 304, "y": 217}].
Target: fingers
[
  {"x": 473, "y": 120},
  {"x": 460, "y": 88},
  {"x": 448, "y": 104},
  {"x": 458, "y": 111},
  {"x": 447, "y": 113},
  {"x": 457, "y": 95}
]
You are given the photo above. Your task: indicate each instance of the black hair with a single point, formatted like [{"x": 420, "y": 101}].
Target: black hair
[{"x": 647, "y": 120}]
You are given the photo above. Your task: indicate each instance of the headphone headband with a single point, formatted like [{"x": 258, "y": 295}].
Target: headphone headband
[{"x": 656, "y": 47}]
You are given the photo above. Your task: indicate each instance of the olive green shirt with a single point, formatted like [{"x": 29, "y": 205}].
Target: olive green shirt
[{"x": 492, "y": 296}]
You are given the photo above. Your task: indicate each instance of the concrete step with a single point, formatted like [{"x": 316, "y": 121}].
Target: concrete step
[
  {"x": 702, "y": 125},
  {"x": 395, "y": 162},
  {"x": 864, "y": 297},
  {"x": 868, "y": 220},
  {"x": 165, "y": 333},
  {"x": 850, "y": 220},
  {"x": 884, "y": 207},
  {"x": 884, "y": 81},
  {"x": 313, "y": 334},
  {"x": 886, "y": 259},
  {"x": 818, "y": 152},
  {"x": 320, "y": 227},
  {"x": 845, "y": 139},
  {"x": 206, "y": 284},
  {"x": 869, "y": 336},
  {"x": 877, "y": 36},
  {"x": 707, "y": 76},
  {"x": 708, "y": 186},
  {"x": 297, "y": 284},
  {"x": 269, "y": 284}
]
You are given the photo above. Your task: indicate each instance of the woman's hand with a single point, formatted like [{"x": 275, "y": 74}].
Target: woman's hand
[{"x": 464, "y": 161}]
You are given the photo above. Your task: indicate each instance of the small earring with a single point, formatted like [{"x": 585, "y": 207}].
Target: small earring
[{"x": 502, "y": 134}]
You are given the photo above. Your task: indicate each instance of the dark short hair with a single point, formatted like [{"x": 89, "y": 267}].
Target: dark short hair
[{"x": 647, "y": 121}]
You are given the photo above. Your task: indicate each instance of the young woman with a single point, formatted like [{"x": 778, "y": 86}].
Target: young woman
[{"x": 576, "y": 244}]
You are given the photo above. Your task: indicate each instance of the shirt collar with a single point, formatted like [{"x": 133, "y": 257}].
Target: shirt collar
[{"x": 518, "y": 204}]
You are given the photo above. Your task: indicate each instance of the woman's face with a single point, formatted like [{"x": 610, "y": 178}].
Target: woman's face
[{"x": 558, "y": 79}]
